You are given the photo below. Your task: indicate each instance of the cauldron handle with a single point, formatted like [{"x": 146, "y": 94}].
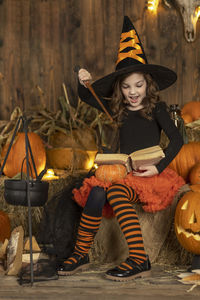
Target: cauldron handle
[{"x": 29, "y": 167}]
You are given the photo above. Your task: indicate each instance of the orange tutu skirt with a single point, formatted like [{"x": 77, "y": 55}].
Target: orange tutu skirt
[{"x": 155, "y": 193}]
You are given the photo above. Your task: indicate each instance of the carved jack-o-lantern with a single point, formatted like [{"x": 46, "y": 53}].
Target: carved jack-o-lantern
[{"x": 187, "y": 222}]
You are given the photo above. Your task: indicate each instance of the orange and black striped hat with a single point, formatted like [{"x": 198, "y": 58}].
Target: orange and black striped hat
[{"x": 131, "y": 58}]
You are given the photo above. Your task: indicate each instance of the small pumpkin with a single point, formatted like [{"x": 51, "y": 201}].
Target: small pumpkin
[
  {"x": 18, "y": 152},
  {"x": 187, "y": 222},
  {"x": 187, "y": 157},
  {"x": 194, "y": 175},
  {"x": 192, "y": 108},
  {"x": 5, "y": 227},
  {"x": 110, "y": 173}
]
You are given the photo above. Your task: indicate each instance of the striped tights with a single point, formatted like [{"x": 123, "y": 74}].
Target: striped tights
[{"x": 121, "y": 198}]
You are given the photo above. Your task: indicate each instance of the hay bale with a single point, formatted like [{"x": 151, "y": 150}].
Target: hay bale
[{"x": 193, "y": 131}]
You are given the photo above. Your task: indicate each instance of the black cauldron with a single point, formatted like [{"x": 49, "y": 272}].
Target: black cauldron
[{"x": 15, "y": 192}]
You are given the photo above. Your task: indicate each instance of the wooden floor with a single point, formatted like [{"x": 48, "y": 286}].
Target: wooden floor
[{"x": 91, "y": 284}]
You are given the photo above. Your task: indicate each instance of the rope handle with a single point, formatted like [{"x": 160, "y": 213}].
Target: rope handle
[{"x": 29, "y": 167}]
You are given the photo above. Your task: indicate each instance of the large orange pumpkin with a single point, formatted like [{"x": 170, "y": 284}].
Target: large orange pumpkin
[
  {"x": 110, "y": 173},
  {"x": 5, "y": 227},
  {"x": 187, "y": 222},
  {"x": 17, "y": 153},
  {"x": 187, "y": 157},
  {"x": 193, "y": 109}
]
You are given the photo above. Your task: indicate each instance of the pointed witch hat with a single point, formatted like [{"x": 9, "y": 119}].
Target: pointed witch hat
[{"x": 131, "y": 58}]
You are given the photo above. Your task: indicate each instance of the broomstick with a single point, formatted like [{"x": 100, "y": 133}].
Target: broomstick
[{"x": 88, "y": 85}]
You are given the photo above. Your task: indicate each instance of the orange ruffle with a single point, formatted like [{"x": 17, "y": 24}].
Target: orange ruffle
[{"x": 155, "y": 193}]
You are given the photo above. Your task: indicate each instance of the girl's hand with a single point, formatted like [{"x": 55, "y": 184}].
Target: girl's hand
[
  {"x": 84, "y": 75},
  {"x": 146, "y": 171}
]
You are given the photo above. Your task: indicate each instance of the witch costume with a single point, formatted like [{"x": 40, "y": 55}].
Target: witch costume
[{"x": 116, "y": 199}]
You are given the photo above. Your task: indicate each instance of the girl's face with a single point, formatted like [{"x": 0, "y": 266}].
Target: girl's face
[{"x": 133, "y": 88}]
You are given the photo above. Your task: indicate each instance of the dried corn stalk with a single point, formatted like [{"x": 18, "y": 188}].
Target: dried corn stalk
[{"x": 77, "y": 124}]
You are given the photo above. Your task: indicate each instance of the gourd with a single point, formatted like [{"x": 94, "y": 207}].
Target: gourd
[
  {"x": 17, "y": 154},
  {"x": 187, "y": 222},
  {"x": 110, "y": 173},
  {"x": 5, "y": 227},
  {"x": 187, "y": 157},
  {"x": 192, "y": 108}
]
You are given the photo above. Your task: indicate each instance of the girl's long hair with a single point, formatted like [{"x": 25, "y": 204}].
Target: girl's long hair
[{"x": 118, "y": 103}]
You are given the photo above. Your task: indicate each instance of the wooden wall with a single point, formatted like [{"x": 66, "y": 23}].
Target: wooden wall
[{"x": 42, "y": 40}]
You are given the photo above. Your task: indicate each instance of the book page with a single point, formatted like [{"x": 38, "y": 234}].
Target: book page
[
  {"x": 137, "y": 163},
  {"x": 148, "y": 156},
  {"x": 149, "y": 152},
  {"x": 113, "y": 159},
  {"x": 110, "y": 158}
]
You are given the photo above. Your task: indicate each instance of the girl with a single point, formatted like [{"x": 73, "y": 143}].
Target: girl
[{"x": 134, "y": 103}]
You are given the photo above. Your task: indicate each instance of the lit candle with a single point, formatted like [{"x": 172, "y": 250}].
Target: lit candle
[{"x": 50, "y": 175}]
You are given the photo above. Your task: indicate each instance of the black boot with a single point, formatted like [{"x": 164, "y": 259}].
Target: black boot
[
  {"x": 73, "y": 264},
  {"x": 136, "y": 271}
]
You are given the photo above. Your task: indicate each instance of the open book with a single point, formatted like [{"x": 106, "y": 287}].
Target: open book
[{"x": 148, "y": 156}]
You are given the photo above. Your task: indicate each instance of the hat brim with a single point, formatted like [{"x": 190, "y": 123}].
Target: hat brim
[{"x": 163, "y": 76}]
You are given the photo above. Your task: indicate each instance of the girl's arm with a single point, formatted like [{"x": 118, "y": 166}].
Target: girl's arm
[{"x": 175, "y": 139}]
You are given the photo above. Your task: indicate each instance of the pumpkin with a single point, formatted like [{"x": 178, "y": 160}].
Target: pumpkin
[
  {"x": 187, "y": 118},
  {"x": 195, "y": 187},
  {"x": 194, "y": 175},
  {"x": 187, "y": 157},
  {"x": 17, "y": 154},
  {"x": 67, "y": 158},
  {"x": 5, "y": 227},
  {"x": 187, "y": 222},
  {"x": 110, "y": 173},
  {"x": 192, "y": 108}
]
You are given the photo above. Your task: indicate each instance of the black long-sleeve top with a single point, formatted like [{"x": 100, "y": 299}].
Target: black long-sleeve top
[{"x": 137, "y": 132}]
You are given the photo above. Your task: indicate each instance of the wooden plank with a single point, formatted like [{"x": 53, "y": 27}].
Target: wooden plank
[
  {"x": 168, "y": 43},
  {"x": 112, "y": 28},
  {"x": 92, "y": 284},
  {"x": 42, "y": 41}
]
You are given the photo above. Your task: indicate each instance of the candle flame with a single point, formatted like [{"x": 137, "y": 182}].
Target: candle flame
[
  {"x": 90, "y": 161},
  {"x": 197, "y": 12},
  {"x": 195, "y": 16},
  {"x": 50, "y": 175},
  {"x": 152, "y": 5}
]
